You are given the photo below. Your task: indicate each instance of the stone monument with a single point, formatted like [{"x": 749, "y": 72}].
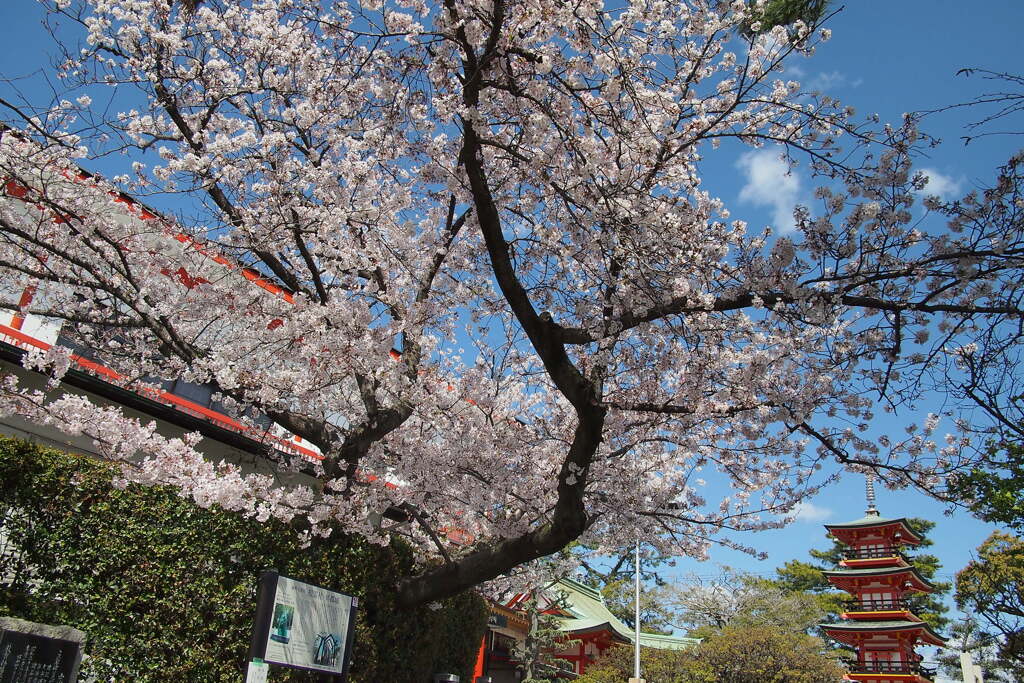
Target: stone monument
[{"x": 39, "y": 653}]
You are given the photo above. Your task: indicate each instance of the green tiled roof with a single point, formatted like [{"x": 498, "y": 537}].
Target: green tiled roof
[
  {"x": 869, "y": 520},
  {"x": 875, "y": 625},
  {"x": 662, "y": 642},
  {"x": 589, "y": 613}
]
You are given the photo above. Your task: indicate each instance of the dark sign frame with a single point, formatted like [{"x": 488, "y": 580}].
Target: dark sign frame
[{"x": 264, "y": 615}]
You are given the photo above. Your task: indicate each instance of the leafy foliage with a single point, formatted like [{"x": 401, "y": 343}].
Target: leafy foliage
[
  {"x": 165, "y": 590},
  {"x": 995, "y": 492},
  {"x": 784, "y": 13},
  {"x": 807, "y": 578},
  {"x": 658, "y": 666},
  {"x": 991, "y": 588},
  {"x": 751, "y": 629},
  {"x": 763, "y": 653},
  {"x": 736, "y": 655}
]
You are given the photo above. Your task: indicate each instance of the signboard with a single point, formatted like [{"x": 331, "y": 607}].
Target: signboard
[
  {"x": 38, "y": 653},
  {"x": 257, "y": 672},
  {"x": 303, "y": 626}
]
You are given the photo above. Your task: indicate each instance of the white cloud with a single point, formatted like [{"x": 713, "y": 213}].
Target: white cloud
[
  {"x": 827, "y": 80},
  {"x": 794, "y": 71},
  {"x": 809, "y": 512},
  {"x": 832, "y": 80},
  {"x": 770, "y": 183},
  {"x": 940, "y": 184}
]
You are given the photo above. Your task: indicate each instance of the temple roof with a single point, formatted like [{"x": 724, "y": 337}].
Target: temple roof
[
  {"x": 875, "y": 520},
  {"x": 927, "y": 634},
  {"x": 880, "y": 571},
  {"x": 587, "y": 613}
]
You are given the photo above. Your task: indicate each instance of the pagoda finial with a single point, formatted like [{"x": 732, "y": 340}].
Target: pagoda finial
[{"x": 869, "y": 484}]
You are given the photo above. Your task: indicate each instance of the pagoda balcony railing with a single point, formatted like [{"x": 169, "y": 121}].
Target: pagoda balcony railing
[
  {"x": 900, "y": 668},
  {"x": 886, "y": 605},
  {"x": 872, "y": 553}
]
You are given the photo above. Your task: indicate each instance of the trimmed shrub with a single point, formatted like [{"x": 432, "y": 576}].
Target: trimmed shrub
[{"x": 166, "y": 591}]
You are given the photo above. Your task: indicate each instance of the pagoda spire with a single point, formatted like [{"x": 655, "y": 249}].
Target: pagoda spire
[{"x": 869, "y": 485}]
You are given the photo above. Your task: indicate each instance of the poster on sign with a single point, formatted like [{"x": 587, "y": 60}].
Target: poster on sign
[{"x": 303, "y": 626}]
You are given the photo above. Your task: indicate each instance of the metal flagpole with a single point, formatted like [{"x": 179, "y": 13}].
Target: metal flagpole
[
  {"x": 636, "y": 597},
  {"x": 636, "y": 621}
]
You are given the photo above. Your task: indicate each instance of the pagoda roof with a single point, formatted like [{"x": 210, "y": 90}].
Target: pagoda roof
[
  {"x": 927, "y": 634},
  {"x": 880, "y": 571},
  {"x": 874, "y": 520}
]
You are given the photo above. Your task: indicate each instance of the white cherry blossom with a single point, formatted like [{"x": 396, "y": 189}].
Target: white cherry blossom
[{"x": 465, "y": 250}]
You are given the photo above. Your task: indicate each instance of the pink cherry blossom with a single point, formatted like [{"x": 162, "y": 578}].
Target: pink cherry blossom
[{"x": 509, "y": 195}]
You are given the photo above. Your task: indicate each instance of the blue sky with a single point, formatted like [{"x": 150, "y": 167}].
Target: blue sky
[{"x": 886, "y": 58}]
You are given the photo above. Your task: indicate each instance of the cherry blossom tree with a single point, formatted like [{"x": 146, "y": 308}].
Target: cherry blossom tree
[{"x": 491, "y": 288}]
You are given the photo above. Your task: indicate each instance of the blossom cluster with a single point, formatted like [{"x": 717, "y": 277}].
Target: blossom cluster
[{"x": 502, "y": 294}]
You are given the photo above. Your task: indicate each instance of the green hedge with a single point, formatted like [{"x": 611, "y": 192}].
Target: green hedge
[{"x": 166, "y": 590}]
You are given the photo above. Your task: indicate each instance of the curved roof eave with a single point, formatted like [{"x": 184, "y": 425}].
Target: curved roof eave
[
  {"x": 880, "y": 571},
  {"x": 926, "y": 631},
  {"x": 908, "y": 535}
]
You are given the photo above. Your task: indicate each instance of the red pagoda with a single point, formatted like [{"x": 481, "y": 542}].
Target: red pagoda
[{"x": 878, "y": 622}]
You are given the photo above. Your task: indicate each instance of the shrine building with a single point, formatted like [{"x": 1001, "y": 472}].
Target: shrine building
[{"x": 589, "y": 626}]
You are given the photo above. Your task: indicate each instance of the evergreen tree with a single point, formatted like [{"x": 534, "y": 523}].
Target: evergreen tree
[
  {"x": 536, "y": 653},
  {"x": 784, "y": 13}
]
